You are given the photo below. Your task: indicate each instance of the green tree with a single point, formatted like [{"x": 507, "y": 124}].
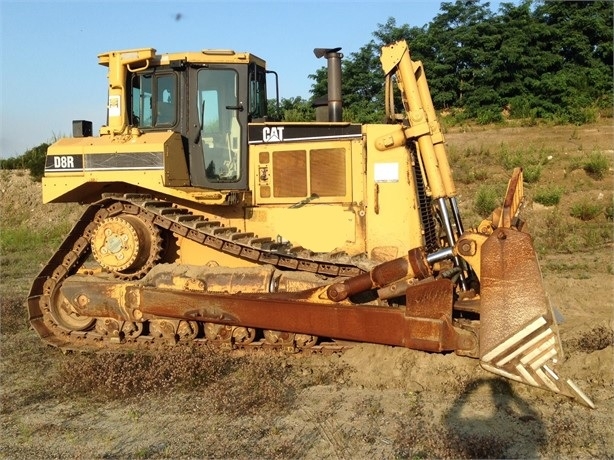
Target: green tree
[
  {"x": 361, "y": 85},
  {"x": 455, "y": 45},
  {"x": 534, "y": 59},
  {"x": 363, "y": 78},
  {"x": 514, "y": 57},
  {"x": 293, "y": 109},
  {"x": 582, "y": 36},
  {"x": 33, "y": 159}
]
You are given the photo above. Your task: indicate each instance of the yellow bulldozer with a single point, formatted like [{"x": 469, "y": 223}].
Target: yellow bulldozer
[{"x": 208, "y": 221}]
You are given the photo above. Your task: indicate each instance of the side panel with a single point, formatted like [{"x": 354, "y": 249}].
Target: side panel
[
  {"x": 319, "y": 228},
  {"x": 79, "y": 167},
  {"x": 393, "y": 218},
  {"x": 307, "y": 185},
  {"x": 334, "y": 194}
]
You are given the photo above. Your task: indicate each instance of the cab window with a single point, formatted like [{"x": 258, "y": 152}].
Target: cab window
[
  {"x": 218, "y": 112},
  {"x": 257, "y": 92},
  {"x": 154, "y": 100}
]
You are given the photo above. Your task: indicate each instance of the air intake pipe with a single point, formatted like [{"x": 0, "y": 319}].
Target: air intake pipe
[{"x": 333, "y": 56}]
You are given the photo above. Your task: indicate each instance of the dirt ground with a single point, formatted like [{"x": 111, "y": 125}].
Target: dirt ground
[{"x": 369, "y": 402}]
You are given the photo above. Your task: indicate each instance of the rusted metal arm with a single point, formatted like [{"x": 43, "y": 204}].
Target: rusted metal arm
[
  {"x": 425, "y": 323},
  {"x": 414, "y": 265}
]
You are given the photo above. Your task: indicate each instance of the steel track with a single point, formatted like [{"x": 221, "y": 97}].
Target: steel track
[{"x": 181, "y": 222}]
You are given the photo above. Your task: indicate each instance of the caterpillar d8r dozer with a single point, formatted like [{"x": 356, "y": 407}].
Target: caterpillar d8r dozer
[{"x": 209, "y": 222}]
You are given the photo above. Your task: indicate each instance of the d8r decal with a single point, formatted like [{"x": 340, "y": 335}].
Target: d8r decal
[{"x": 64, "y": 163}]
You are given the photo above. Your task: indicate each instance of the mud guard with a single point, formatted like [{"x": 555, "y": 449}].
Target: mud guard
[{"x": 519, "y": 337}]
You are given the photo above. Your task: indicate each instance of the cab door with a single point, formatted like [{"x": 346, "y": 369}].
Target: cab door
[{"x": 218, "y": 127}]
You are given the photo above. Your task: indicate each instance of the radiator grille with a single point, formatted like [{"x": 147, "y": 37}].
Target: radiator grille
[
  {"x": 304, "y": 173},
  {"x": 290, "y": 173},
  {"x": 327, "y": 168}
]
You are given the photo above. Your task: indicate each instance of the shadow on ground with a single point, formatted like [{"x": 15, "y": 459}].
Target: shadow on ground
[{"x": 489, "y": 420}]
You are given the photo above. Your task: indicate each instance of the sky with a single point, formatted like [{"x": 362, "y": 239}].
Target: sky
[{"x": 48, "y": 49}]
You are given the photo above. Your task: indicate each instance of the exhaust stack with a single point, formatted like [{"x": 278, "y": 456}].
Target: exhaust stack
[{"x": 333, "y": 56}]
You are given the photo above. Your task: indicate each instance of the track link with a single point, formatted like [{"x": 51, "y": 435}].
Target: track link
[{"x": 180, "y": 221}]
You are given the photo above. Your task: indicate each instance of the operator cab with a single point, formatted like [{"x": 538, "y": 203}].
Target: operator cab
[{"x": 209, "y": 98}]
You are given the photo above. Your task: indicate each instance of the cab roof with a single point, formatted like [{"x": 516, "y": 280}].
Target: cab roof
[{"x": 205, "y": 56}]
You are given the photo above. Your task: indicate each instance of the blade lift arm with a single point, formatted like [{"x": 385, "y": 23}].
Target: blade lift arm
[
  {"x": 518, "y": 336},
  {"x": 422, "y": 127}
]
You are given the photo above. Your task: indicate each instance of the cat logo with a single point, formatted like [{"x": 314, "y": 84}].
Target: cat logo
[{"x": 273, "y": 134}]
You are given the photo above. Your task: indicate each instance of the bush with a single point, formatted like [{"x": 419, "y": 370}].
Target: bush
[
  {"x": 512, "y": 159},
  {"x": 489, "y": 116},
  {"x": 596, "y": 165},
  {"x": 532, "y": 173},
  {"x": 548, "y": 196},
  {"x": 530, "y": 160},
  {"x": 486, "y": 200},
  {"x": 558, "y": 234},
  {"x": 585, "y": 210},
  {"x": 578, "y": 115},
  {"x": 466, "y": 172}
]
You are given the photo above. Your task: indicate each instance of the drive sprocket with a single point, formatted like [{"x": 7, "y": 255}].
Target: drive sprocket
[{"x": 126, "y": 245}]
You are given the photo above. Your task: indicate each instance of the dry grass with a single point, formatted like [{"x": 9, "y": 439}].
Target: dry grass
[
  {"x": 422, "y": 438},
  {"x": 235, "y": 383},
  {"x": 254, "y": 398},
  {"x": 598, "y": 338},
  {"x": 564, "y": 167},
  {"x": 12, "y": 315},
  {"x": 110, "y": 376},
  {"x": 569, "y": 434},
  {"x": 22, "y": 354}
]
